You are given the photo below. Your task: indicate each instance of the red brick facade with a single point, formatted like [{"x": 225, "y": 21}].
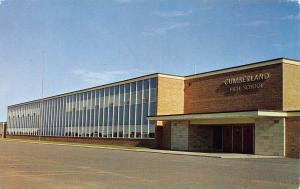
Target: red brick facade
[
  {"x": 210, "y": 94},
  {"x": 292, "y": 137}
]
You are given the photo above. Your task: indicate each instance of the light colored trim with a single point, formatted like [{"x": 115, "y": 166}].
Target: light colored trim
[
  {"x": 284, "y": 143},
  {"x": 226, "y": 70},
  {"x": 170, "y": 76},
  {"x": 272, "y": 114},
  {"x": 248, "y": 114},
  {"x": 294, "y": 62},
  {"x": 294, "y": 114},
  {"x": 278, "y": 61}
]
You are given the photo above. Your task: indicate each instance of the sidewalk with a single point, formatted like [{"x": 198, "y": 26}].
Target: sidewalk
[{"x": 147, "y": 150}]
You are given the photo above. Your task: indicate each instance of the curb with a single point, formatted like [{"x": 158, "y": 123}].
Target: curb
[{"x": 146, "y": 150}]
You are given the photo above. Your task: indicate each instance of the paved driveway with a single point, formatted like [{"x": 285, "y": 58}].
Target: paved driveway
[{"x": 27, "y": 165}]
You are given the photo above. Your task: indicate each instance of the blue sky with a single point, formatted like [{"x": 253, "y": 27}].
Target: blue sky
[{"x": 84, "y": 43}]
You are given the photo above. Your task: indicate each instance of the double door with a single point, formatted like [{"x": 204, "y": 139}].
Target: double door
[{"x": 238, "y": 138}]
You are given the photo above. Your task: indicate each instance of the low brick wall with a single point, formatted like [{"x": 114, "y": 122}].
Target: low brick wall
[
  {"x": 200, "y": 138},
  {"x": 150, "y": 143},
  {"x": 292, "y": 142}
]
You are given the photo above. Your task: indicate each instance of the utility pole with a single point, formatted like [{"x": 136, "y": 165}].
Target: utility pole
[{"x": 42, "y": 95}]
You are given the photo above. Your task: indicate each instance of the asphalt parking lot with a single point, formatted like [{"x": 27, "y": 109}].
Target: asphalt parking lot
[{"x": 28, "y": 165}]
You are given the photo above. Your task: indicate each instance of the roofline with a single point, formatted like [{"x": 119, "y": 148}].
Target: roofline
[
  {"x": 245, "y": 66},
  {"x": 219, "y": 115},
  {"x": 148, "y": 76},
  {"x": 220, "y": 71}
]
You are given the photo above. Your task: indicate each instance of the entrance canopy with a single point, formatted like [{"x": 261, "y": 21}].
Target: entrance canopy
[{"x": 226, "y": 115}]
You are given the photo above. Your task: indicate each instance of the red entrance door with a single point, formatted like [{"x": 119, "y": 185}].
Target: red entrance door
[
  {"x": 227, "y": 138},
  {"x": 248, "y": 133},
  {"x": 237, "y": 139}
]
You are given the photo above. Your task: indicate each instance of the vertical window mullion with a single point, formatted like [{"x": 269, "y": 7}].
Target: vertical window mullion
[
  {"x": 64, "y": 117},
  {"x": 52, "y": 117},
  {"x": 119, "y": 97},
  {"x": 129, "y": 112},
  {"x": 113, "y": 113},
  {"x": 95, "y": 106},
  {"x": 86, "y": 110},
  {"x": 68, "y": 115},
  {"x": 60, "y": 116},
  {"x": 103, "y": 118},
  {"x": 142, "y": 109},
  {"x": 149, "y": 102},
  {"x": 82, "y": 114},
  {"x": 76, "y": 115},
  {"x": 108, "y": 109},
  {"x": 124, "y": 105},
  {"x": 56, "y": 117},
  {"x": 99, "y": 108},
  {"x": 90, "y": 114},
  {"x": 135, "y": 109}
]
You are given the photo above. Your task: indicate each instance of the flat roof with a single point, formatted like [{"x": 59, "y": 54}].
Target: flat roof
[
  {"x": 220, "y": 71},
  {"x": 222, "y": 115},
  {"x": 103, "y": 86},
  {"x": 245, "y": 66}
]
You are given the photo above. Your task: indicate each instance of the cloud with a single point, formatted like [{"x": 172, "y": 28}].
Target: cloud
[
  {"x": 256, "y": 23},
  {"x": 295, "y": 1},
  {"x": 173, "y": 13},
  {"x": 97, "y": 77},
  {"x": 1, "y": 1},
  {"x": 163, "y": 30},
  {"x": 291, "y": 17}
]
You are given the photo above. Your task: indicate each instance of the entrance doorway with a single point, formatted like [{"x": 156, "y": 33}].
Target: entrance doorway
[
  {"x": 217, "y": 138},
  {"x": 238, "y": 138}
]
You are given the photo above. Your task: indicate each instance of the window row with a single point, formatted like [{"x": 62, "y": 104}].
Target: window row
[{"x": 119, "y": 111}]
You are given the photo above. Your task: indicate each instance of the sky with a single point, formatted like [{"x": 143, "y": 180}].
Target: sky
[{"x": 66, "y": 45}]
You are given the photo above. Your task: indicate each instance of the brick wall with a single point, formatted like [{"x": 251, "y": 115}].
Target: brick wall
[
  {"x": 200, "y": 138},
  {"x": 210, "y": 94},
  {"x": 163, "y": 136},
  {"x": 292, "y": 135},
  {"x": 291, "y": 87},
  {"x": 85, "y": 140},
  {"x": 170, "y": 96}
]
